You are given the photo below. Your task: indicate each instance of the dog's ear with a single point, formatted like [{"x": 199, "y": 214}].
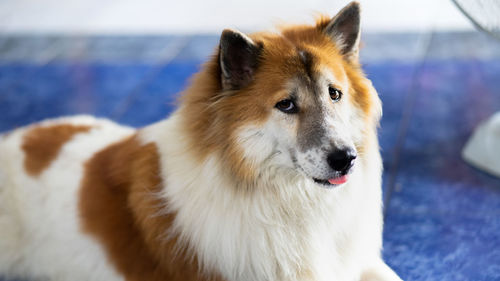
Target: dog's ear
[
  {"x": 344, "y": 29},
  {"x": 238, "y": 58}
]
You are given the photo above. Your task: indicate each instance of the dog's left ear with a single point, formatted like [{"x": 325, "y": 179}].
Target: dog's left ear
[
  {"x": 238, "y": 58},
  {"x": 344, "y": 29}
]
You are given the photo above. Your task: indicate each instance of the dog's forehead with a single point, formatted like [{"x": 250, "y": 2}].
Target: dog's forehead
[
  {"x": 318, "y": 71},
  {"x": 308, "y": 61}
]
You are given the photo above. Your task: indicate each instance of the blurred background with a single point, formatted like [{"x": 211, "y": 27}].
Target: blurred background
[{"x": 437, "y": 75}]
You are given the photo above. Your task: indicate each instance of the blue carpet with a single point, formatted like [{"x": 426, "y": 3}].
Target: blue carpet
[{"x": 442, "y": 216}]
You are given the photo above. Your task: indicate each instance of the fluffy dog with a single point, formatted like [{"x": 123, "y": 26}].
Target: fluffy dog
[{"x": 268, "y": 170}]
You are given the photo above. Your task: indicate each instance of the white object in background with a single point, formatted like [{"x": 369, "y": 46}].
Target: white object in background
[
  {"x": 212, "y": 16},
  {"x": 483, "y": 148}
]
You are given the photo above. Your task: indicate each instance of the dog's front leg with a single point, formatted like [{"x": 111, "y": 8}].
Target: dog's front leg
[{"x": 379, "y": 271}]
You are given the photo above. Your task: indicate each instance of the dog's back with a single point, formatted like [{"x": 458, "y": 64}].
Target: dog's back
[{"x": 41, "y": 167}]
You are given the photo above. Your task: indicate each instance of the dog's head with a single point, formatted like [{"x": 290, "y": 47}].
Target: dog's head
[{"x": 296, "y": 101}]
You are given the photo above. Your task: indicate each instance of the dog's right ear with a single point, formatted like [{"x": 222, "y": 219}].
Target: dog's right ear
[
  {"x": 344, "y": 30},
  {"x": 238, "y": 58}
]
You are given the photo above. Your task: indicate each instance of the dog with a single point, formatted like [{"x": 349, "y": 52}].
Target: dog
[{"x": 269, "y": 169}]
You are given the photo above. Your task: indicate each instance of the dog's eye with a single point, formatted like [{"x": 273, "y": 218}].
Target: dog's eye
[
  {"x": 335, "y": 94},
  {"x": 287, "y": 106}
]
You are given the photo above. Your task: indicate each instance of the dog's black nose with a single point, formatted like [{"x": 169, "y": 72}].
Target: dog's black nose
[{"x": 341, "y": 160}]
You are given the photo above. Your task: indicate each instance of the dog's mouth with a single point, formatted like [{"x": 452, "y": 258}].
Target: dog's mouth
[{"x": 333, "y": 181}]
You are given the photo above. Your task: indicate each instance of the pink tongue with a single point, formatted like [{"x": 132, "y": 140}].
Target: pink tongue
[{"x": 339, "y": 180}]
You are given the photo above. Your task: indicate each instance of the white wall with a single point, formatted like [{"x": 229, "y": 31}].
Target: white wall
[{"x": 211, "y": 16}]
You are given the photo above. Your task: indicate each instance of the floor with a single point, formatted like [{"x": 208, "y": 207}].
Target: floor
[{"x": 442, "y": 217}]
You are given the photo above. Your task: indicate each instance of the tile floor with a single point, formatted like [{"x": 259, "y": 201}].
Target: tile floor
[{"x": 442, "y": 217}]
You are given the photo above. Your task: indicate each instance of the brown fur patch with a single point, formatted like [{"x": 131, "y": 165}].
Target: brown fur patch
[
  {"x": 120, "y": 207},
  {"x": 211, "y": 117},
  {"x": 42, "y": 144}
]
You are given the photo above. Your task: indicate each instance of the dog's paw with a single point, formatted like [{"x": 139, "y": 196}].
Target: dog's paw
[{"x": 379, "y": 272}]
